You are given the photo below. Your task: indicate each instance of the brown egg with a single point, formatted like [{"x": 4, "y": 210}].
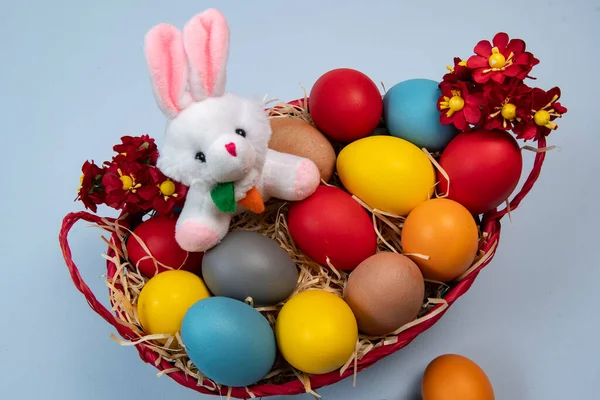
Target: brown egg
[
  {"x": 385, "y": 292},
  {"x": 295, "y": 136},
  {"x": 454, "y": 377}
]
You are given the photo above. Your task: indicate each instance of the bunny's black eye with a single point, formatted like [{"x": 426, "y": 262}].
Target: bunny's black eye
[
  {"x": 200, "y": 156},
  {"x": 241, "y": 132}
]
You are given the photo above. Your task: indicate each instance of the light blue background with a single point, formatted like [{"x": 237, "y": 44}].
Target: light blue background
[{"x": 73, "y": 81}]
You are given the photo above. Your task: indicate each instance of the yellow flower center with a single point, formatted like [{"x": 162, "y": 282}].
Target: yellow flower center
[
  {"x": 81, "y": 179},
  {"x": 463, "y": 63},
  {"x": 509, "y": 111},
  {"x": 167, "y": 188},
  {"x": 496, "y": 60},
  {"x": 541, "y": 117},
  {"x": 456, "y": 103},
  {"x": 127, "y": 182},
  {"x": 452, "y": 104}
]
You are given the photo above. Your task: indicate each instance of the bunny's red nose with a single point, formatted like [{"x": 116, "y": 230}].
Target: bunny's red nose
[{"x": 230, "y": 147}]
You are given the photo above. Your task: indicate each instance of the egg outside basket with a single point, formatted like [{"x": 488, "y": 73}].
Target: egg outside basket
[{"x": 369, "y": 350}]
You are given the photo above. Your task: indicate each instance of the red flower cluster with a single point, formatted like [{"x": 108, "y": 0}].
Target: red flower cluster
[
  {"x": 140, "y": 149},
  {"x": 488, "y": 91},
  {"x": 91, "y": 191},
  {"x": 130, "y": 181}
]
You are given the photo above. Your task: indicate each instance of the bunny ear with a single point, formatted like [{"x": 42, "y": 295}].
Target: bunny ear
[
  {"x": 167, "y": 64},
  {"x": 206, "y": 38}
]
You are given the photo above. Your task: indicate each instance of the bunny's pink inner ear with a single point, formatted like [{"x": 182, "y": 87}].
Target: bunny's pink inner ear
[
  {"x": 168, "y": 68},
  {"x": 206, "y": 38}
]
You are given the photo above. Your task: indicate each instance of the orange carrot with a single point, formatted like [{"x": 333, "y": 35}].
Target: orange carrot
[{"x": 253, "y": 201}]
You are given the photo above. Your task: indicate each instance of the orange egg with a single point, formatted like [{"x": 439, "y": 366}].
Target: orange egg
[
  {"x": 454, "y": 377},
  {"x": 445, "y": 233}
]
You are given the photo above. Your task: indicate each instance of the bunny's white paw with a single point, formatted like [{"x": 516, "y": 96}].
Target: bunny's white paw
[
  {"x": 196, "y": 237},
  {"x": 308, "y": 179}
]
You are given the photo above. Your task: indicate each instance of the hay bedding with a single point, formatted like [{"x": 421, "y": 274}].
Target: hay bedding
[{"x": 127, "y": 282}]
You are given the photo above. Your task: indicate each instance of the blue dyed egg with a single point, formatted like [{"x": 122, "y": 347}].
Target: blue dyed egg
[
  {"x": 410, "y": 112},
  {"x": 228, "y": 341}
]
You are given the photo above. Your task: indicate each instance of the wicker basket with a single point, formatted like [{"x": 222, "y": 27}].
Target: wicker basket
[{"x": 490, "y": 225}]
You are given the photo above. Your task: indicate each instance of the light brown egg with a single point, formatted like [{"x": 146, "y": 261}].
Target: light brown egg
[
  {"x": 385, "y": 292},
  {"x": 295, "y": 136}
]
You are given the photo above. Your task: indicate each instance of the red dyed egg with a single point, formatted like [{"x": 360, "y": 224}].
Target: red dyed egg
[
  {"x": 331, "y": 224},
  {"x": 345, "y": 104},
  {"x": 484, "y": 168},
  {"x": 158, "y": 235}
]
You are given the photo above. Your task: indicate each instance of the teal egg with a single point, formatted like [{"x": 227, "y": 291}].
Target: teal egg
[
  {"x": 410, "y": 113},
  {"x": 228, "y": 341}
]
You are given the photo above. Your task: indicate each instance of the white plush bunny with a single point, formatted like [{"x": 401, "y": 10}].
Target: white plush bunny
[{"x": 216, "y": 143}]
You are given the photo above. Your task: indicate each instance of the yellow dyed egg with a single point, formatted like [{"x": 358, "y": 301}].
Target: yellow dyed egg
[
  {"x": 316, "y": 332},
  {"x": 388, "y": 173},
  {"x": 165, "y": 299}
]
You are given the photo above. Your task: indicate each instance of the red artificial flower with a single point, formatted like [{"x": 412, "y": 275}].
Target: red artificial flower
[
  {"x": 141, "y": 149},
  {"x": 162, "y": 193},
  {"x": 544, "y": 108},
  {"x": 460, "y": 72},
  {"x": 91, "y": 192},
  {"x": 505, "y": 104},
  {"x": 122, "y": 183},
  {"x": 460, "y": 105},
  {"x": 501, "y": 59}
]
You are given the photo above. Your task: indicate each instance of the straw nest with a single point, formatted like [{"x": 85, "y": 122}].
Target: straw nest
[{"x": 127, "y": 282}]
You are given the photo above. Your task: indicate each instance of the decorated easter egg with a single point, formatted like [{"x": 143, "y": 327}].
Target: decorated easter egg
[
  {"x": 331, "y": 225},
  {"x": 345, "y": 104},
  {"x": 441, "y": 236},
  {"x": 152, "y": 248},
  {"x": 484, "y": 168},
  {"x": 387, "y": 173},
  {"x": 248, "y": 264},
  {"x": 165, "y": 298},
  {"x": 385, "y": 292},
  {"x": 316, "y": 332},
  {"x": 410, "y": 112},
  {"x": 298, "y": 137},
  {"x": 228, "y": 341},
  {"x": 455, "y": 377}
]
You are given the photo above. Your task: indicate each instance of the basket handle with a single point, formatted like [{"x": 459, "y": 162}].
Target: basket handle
[
  {"x": 527, "y": 186},
  {"x": 68, "y": 222}
]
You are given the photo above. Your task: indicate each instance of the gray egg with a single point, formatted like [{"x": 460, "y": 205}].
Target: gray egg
[{"x": 248, "y": 264}]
